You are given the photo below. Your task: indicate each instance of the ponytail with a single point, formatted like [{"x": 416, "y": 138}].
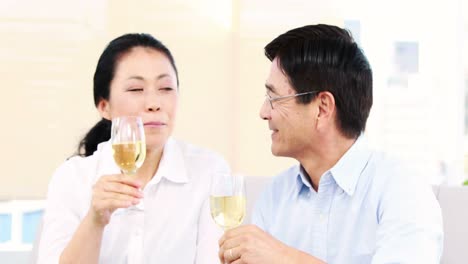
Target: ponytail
[{"x": 99, "y": 133}]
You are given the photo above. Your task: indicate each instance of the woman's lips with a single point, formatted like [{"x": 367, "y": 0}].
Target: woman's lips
[{"x": 154, "y": 124}]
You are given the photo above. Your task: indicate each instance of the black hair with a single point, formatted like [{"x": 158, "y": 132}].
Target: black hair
[{"x": 326, "y": 58}]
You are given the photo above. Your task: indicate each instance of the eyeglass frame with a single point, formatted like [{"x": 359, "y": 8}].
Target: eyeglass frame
[{"x": 272, "y": 99}]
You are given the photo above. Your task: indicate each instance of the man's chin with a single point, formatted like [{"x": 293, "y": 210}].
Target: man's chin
[{"x": 276, "y": 152}]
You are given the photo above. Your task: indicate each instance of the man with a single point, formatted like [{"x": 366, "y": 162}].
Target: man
[{"x": 343, "y": 203}]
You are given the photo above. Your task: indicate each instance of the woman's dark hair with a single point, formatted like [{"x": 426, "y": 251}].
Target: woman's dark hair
[
  {"x": 103, "y": 76},
  {"x": 326, "y": 58}
]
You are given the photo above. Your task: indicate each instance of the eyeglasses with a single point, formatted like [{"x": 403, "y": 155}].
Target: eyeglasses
[{"x": 272, "y": 99}]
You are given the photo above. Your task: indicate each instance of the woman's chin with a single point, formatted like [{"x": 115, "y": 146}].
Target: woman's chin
[{"x": 156, "y": 143}]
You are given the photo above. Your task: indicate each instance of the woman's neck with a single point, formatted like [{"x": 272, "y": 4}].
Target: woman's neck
[{"x": 150, "y": 165}]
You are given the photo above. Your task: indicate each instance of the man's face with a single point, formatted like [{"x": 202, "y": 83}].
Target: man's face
[{"x": 292, "y": 124}]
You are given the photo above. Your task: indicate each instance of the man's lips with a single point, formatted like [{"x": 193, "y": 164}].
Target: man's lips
[{"x": 273, "y": 131}]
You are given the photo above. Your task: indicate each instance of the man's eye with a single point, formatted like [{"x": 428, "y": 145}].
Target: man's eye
[{"x": 271, "y": 97}]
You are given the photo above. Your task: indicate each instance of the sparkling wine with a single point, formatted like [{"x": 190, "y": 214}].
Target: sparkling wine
[
  {"x": 129, "y": 156},
  {"x": 228, "y": 211}
]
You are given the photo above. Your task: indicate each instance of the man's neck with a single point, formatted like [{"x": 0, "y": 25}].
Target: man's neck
[{"x": 323, "y": 158}]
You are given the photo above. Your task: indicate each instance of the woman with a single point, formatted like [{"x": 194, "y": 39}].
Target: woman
[{"x": 86, "y": 220}]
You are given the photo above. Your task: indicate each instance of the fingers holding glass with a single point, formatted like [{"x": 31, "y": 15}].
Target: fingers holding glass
[{"x": 128, "y": 143}]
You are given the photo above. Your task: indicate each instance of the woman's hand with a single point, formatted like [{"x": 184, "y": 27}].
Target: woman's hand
[{"x": 110, "y": 193}]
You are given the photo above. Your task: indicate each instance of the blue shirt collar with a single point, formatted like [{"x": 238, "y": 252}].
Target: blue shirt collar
[{"x": 346, "y": 171}]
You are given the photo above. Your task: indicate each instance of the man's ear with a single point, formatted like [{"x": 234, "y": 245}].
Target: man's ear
[
  {"x": 103, "y": 108},
  {"x": 326, "y": 104}
]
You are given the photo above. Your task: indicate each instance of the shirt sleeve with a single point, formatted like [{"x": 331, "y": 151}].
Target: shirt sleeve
[
  {"x": 60, "y": 217},
  {"x": 410, "y": 226}
]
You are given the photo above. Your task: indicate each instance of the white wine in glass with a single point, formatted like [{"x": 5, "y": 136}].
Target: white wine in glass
[
  {"x": 129, "y": 156},
  {"x": 227, "y": 200},
  {"x": 128, "y": 143}
]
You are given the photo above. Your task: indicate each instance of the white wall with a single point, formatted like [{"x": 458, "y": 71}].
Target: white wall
[{"x": 49, "y": 50}]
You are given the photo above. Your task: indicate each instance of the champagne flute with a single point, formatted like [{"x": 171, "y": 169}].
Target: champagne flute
[
  {"x": 128, "y": 144},
  {"x": 227, "y": 200}
]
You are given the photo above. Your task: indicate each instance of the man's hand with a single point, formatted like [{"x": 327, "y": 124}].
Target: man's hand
[{"x": 249, "y": 244}]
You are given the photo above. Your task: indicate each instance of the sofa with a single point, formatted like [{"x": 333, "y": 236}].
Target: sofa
[{"x": 453, "y": 201}]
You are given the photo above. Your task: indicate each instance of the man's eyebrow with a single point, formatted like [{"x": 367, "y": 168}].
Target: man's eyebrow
[{"x": 270, "y": 88}]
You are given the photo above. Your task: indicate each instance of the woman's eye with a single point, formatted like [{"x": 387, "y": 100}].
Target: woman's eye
[
  {"x": 166, "y": 89},
  {"x": 135, "y": 89}
]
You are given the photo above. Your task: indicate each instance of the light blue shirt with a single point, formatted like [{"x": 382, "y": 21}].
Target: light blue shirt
[{"x": 368, "y": 209}]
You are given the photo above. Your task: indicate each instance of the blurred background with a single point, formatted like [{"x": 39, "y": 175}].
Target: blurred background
[{"x": 49, "y": 49}]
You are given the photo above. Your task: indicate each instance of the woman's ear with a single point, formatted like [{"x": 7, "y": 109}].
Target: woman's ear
[{"x": 103, "y": 108}]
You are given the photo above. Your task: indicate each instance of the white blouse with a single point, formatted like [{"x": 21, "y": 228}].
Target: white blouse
[{"x": 174, "y": 227}]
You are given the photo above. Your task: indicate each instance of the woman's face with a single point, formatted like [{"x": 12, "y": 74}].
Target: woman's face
[{"x": 145, "y": 85}]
